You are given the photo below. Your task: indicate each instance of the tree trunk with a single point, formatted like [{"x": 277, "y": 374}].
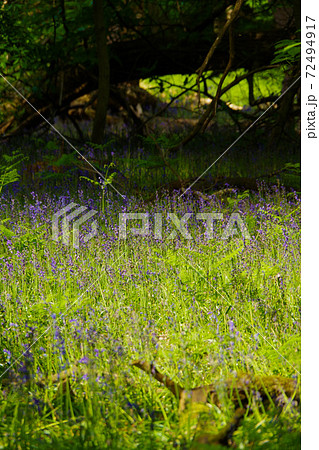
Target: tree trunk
[{"x": 104, "y": 73}]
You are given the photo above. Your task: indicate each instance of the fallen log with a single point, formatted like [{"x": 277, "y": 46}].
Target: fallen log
[
  {"x": 271, "y": 389},
  {"x": 241, "y": 389}
]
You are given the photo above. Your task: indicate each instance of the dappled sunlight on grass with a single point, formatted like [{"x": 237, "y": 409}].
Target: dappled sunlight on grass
[{"x": 202, "y": 310}]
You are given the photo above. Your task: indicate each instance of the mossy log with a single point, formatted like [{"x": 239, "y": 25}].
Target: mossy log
[
  {"x": 271, "y": 390},
  {"x": 241, "y": 389}
]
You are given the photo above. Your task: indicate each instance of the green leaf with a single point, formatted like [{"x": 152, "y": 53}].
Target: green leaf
[{"x": 5, "y": 231}]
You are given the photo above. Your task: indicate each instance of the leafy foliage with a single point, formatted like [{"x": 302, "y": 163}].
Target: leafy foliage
[
  {"x": 287, "y": 51},
  {"x": 103, "y": 184},
  {"x": 8, "y": 170},
  {"x": 8, "y": 175}
]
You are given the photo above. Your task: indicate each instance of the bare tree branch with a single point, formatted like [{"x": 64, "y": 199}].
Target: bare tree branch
[{"x": 209, "y": 55}]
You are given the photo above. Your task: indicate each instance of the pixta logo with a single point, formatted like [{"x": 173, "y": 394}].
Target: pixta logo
[
  {"x": 180, "y": 225},
  {"x": 67, "y": 219}
]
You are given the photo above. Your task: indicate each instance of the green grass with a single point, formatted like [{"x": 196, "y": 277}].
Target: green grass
[
  {"x": 201, "y": 310},
  {"x": 265, "y": 84}
]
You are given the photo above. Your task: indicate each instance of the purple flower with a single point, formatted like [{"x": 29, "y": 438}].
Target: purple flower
[
  {"x": 8, "y": 354},
  {"x": 84, "y": 360}
]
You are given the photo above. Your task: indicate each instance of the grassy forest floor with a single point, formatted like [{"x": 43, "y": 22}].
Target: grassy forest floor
[{"x": 202, "y": 311}]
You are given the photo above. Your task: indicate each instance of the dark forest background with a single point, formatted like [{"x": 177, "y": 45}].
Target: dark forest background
[{"x": 156, "y": 89}]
